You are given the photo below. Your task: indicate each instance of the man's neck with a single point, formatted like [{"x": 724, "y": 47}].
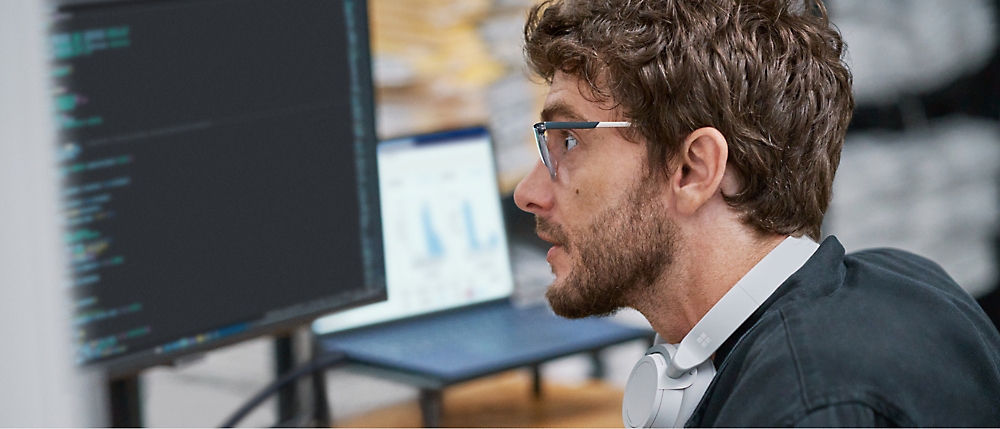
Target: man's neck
[{"x": 704, "y": 269}]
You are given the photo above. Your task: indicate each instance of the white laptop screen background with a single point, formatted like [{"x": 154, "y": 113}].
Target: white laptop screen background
[{"x": 442, "y": 227}]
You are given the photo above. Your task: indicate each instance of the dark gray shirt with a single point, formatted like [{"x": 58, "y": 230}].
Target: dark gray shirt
[{"x": 875, "y": 338}]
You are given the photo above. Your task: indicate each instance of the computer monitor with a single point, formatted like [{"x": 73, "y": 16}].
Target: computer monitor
[
  {"x": 445, "y": 241},
  {"x": 219, "y": 162}
]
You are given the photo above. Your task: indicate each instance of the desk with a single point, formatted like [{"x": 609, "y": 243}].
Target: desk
[
  {"x": 442, "y": 350},
  {"x": 507, "y": 400}
]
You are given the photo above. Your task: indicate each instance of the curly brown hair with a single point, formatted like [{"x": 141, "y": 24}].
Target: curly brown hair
[{"x": 768, "y": 74}]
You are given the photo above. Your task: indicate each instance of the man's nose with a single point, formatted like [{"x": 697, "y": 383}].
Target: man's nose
[{"x": 534, "y": 193}]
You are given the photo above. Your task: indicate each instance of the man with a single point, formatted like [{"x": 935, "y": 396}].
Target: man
[{"x": 702, "y": 134}]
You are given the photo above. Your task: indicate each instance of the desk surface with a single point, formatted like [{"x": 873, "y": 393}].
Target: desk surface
[
  {"x": 477, "y": 341},
  {"x": 506, "y": 400}
]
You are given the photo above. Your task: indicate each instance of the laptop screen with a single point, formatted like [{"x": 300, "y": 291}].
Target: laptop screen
[{"x": 442, "y": 227}]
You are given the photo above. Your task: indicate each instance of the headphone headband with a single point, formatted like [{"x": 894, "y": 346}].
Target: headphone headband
[
  {"x": 667, "y": 384},
  {"x": 739, "y": 303}
]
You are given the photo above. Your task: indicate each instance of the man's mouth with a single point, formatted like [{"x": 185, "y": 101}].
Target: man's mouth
[
  {"x": 557, "y": 246},
  {"x": 551, "y": 233}
]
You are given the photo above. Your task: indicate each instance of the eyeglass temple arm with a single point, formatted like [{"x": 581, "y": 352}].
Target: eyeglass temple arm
[{"x": 582, "y": 125}]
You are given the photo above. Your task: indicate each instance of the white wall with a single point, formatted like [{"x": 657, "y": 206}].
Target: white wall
[{"x": 39, "y": 385}]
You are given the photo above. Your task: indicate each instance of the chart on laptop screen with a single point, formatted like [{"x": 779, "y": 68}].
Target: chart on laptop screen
[{"x": 442, "y": 226}]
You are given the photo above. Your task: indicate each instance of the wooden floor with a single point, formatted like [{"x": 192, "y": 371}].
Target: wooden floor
[{"x": 506, "y": 400}]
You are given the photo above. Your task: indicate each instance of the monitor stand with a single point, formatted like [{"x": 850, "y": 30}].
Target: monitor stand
[
  {"x": 126, "y": 398},
  {"x": 284, "y": 361},
  {"x": 125, "y": 401}
]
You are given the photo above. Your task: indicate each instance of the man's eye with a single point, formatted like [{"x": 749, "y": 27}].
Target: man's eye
[{"x": 570, "y": 142}]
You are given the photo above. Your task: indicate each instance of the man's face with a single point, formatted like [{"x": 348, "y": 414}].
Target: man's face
[{"x": 603, "y": 212}]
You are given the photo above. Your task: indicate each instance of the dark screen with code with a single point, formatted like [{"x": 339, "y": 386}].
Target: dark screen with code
[{"x": 218, "y": 161}]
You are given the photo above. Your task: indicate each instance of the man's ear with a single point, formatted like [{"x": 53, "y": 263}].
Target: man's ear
[{"x": 701, "y": 166}]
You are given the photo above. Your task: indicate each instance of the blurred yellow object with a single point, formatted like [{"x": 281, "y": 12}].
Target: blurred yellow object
[
  {"x": 446, "y": 64},
  {"x": 431, "y": 64},
  {"x": 438, "y": 39}
]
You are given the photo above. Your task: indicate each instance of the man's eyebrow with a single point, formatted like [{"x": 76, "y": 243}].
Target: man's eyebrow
[{"x": 562, "y": 111}]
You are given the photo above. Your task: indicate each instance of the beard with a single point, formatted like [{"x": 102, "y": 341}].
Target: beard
[{"x": 620, "y": 255}]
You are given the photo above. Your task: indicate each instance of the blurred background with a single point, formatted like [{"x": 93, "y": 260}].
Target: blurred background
[{"x": 919, "y": 171}]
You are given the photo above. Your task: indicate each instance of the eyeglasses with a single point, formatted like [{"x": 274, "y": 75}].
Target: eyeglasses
[{"x": 563, "y": 141}]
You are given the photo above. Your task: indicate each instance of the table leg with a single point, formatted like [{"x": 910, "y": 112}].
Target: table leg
[
  {"x": 536, "y": 381},
  {"x": 431, "y": 405},
  {"x": 597, "y": 370}
]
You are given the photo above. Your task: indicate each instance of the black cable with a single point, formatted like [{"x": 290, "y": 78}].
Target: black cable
[{"x": 319, "y": 363}]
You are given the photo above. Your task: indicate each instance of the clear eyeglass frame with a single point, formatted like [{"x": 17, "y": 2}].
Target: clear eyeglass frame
[{"x": 543, "y": 149}]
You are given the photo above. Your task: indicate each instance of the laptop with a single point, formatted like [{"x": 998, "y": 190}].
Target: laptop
[{"x": 449, "y": 314}]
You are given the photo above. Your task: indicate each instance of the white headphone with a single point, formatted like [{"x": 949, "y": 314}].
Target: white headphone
[{"x": 668, "y": 382}]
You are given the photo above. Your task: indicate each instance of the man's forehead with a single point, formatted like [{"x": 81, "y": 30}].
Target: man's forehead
[{"x": 572, "y": 99}]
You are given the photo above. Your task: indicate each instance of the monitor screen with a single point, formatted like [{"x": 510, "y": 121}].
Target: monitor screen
[
  {"x": 443, "y": 228},
  {"x": 218, "y": 159}
]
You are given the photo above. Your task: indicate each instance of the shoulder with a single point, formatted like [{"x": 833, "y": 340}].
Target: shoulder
[
  {"x": 890, "y": 337},
  {"x": 896, "y": 302},
  {"x": 893, "y": 267},
  {"x": 773, "y": 379},
  {"x": 884, "y": 303},
  {"x": 898, "y": 336}
]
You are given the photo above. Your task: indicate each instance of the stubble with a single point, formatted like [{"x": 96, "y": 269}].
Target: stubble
[{"x": 620, "y": 255}]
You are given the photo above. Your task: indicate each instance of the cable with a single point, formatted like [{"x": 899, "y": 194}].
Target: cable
[{"x": 319, "y": 363}]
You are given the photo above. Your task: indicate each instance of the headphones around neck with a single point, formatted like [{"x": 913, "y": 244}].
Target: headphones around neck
[{"x": 667, "y": 384}]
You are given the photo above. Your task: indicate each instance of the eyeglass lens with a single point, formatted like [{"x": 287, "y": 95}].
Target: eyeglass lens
[{"x": 543, "y": 149}]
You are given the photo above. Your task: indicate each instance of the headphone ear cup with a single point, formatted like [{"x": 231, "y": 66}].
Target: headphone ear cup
[
  {"x": 652, "y": 399},
  {"x": 646, "y": 403}
]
